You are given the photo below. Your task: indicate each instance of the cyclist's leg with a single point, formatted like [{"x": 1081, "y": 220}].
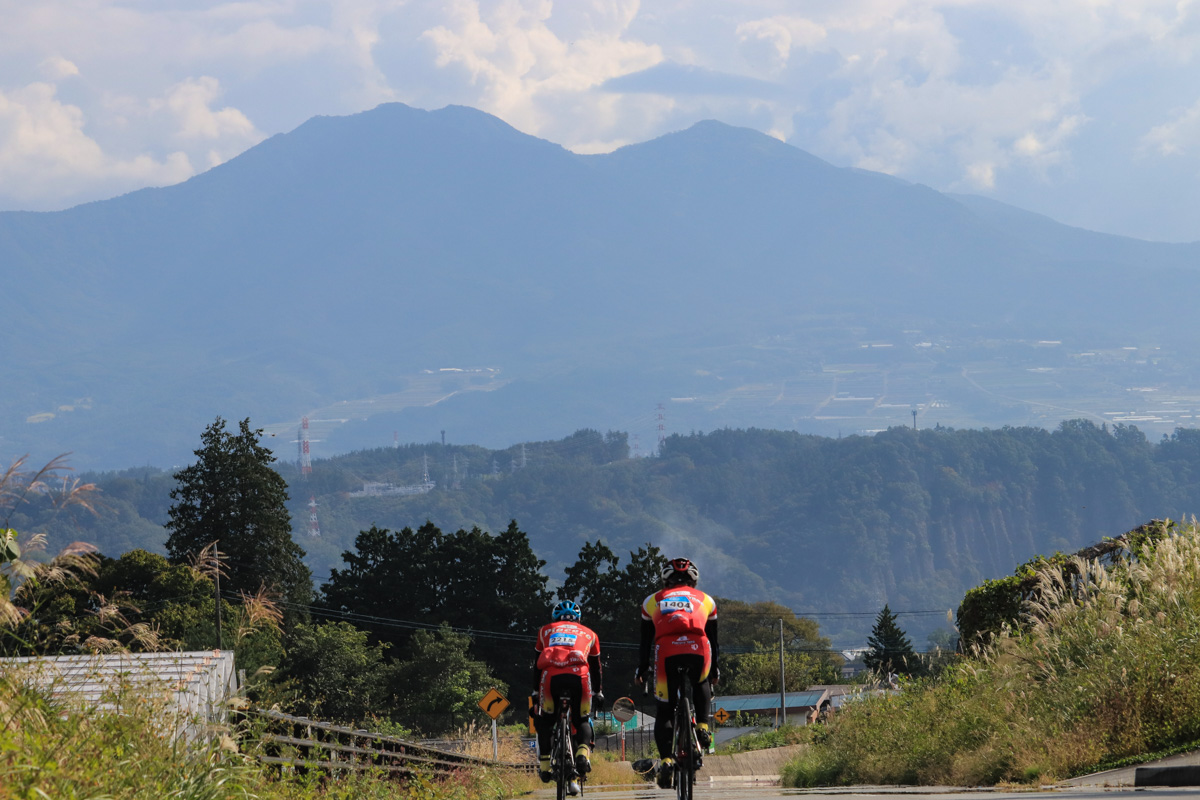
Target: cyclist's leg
[
  {"x": 543, "y": 724},
  {"x": 666, "y": 669},
  {"x": 581, "y": 710},
  {"x": 666, "y": 687},
  {"x": 700, "y": 668}
]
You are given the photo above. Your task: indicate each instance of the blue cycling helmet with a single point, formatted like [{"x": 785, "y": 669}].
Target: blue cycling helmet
[{"x": 567, "y": 609}]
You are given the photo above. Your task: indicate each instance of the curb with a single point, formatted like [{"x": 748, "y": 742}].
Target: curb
[{"x": 1187, "y": 775}]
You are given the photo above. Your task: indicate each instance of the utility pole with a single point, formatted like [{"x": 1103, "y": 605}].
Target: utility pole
[
  {"x": 782, "y": 684},
  {"x": 217, "y": 581}
]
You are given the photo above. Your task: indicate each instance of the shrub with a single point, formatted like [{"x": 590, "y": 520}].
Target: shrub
[{"x": 1105, "y": 666}]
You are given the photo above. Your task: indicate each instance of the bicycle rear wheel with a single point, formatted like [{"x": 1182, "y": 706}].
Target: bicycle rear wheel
[
  {"x": 562, "y": 746},
  {"x": 685, "y": 736}
]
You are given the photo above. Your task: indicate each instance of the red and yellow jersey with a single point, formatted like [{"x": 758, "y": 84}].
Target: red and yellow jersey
[
  {"x": 679, "y": 610},
  {"x": 566, "y": 646}
]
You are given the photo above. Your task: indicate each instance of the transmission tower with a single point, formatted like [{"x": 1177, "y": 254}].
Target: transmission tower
[
  {"x": 662, "y": 426},
  {"x": 305, "y": 459},
  {"x": 314, "y": 529}
]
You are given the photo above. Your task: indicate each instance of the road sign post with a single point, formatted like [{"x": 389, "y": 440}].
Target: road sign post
[{"x": 493, "y": 704}]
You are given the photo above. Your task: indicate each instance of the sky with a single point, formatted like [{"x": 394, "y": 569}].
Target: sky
[{"x": 1087, "y": 111}]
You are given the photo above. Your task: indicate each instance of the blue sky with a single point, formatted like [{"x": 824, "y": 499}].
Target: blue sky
[{"x": 1085, "y": 110}]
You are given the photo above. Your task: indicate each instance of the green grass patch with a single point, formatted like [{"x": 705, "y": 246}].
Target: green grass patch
[
  {"x": 766, "y": 738},
  {"x": 1105, "y": 673}
]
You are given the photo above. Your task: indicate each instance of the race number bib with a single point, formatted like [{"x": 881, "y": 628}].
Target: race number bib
[
  {"x": 563, "y": 639},
  {"x": 675, "y": 604}
]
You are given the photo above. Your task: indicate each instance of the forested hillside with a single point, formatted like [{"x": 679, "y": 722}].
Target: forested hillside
[
  {"x": 911, "y": 518},
  {"x": 767, "y": 269}
]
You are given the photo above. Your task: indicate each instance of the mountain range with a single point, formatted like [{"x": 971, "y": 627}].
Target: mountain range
[{"x": 399, "y": 273}]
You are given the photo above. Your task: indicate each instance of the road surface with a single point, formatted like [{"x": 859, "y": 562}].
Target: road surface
[{"x": 746, "y": 790}]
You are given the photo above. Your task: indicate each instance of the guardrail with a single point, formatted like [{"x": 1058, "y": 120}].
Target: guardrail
[{"x": 304, "y": 744}]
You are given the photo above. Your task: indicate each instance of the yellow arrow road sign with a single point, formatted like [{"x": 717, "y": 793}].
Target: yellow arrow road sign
[{"x": 493, "y": 703}]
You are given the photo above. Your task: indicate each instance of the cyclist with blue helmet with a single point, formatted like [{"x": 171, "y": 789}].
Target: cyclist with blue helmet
[{"x": 568, "y": 664}]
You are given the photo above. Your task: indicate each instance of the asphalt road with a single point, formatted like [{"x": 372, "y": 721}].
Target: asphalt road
[{"x": 746, "y": 790}]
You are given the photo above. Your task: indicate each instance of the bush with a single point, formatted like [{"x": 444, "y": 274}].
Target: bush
[{"x": 1106, "y": 667}]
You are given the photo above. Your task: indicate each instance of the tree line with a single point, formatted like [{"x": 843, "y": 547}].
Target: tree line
[
  {"x": 913, "y": 518},
  {"x": 406, "y": 635}
]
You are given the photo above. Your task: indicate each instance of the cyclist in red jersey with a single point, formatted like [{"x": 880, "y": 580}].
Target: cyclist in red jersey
[
  {"x": 679, "y": 629},
  {"x": 568, "y": 663}
]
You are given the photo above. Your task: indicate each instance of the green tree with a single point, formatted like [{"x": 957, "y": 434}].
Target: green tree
[
  {"x": 233, "y": 497},
  {"x": 889, "y": 649},
  {"x": 745, "y": 625},
  {"x": 469, "y": 579},
  {"x": 335, "y": 673},
  {"x": 757, "y": 672},
  {"x": 750, "y": 648},
  {"x": 611, "y": 596},
  {"x": 438, "y": 686}
]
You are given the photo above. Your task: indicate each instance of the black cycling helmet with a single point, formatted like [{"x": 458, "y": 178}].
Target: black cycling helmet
[
  {"x": 567, "y": 609},
  {"x": 680, "y": 570}
]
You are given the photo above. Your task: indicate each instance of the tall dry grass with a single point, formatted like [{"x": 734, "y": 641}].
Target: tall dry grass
[
  {"x": 124, "y": 747},
  {"x": 1108, "y": 668}
]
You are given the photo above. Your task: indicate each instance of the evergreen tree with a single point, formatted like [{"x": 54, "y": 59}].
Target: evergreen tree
[
  {"x": 611, "y": 597},
  {"x": 890, "y": 650},
  {"x": 468, "y": 579},
  {"x": 233, "y": 497}
]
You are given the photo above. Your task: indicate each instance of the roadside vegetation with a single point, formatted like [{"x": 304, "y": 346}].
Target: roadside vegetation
[
  {"x": 766, "y": 738},
  {"x": 52, "y": 748},
  {"x": 1100, "y": 667}
]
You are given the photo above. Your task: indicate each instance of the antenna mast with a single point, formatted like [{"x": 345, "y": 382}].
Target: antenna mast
[
  {"x": 662, "y": 427},
  {"x": 314, "y": 529},
  {"x": 305, "y": 460}
]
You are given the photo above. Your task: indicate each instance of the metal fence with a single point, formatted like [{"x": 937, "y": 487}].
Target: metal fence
[{"x": 639, "y": 743}]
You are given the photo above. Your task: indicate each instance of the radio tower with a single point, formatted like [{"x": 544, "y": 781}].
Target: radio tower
[
  {"x": 662, "y": 427},
  {"x": 305, "y": 460},
  {"x": 314, "y": 529}
]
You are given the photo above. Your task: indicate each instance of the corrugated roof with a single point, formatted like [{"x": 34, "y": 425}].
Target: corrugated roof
[
  {"x": 197, "y": 684},
  {"x": 768, "y": 702}
]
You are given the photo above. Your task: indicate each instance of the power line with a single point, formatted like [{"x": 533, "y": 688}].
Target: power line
[{"x": 506, "y": 636}]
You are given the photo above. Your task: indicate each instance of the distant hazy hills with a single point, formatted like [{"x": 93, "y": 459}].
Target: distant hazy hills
[{"x": 339, "y": 261}]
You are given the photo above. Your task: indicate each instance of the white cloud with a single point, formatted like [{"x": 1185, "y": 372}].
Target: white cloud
[
  {"x": 190, "y": 102},
  {"x": 45, "y": 151},
  {"x": 56, "y": 68},
  {"x": 1177, "y": 137},
  {"x": 520, "y": 69},
  {"x": 985, "y": 94},
  {"x": 981, "y": 174}
]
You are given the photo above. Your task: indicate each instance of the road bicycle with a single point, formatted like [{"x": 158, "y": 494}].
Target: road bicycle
[
  {"x": 685, "y": 746},
  {"x": 562, "y": 753}
]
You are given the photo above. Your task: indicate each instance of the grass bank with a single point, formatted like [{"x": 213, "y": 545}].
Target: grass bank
[
  {"x": 51, "y": 748},
  {"x": 1105, "y": 669}
]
